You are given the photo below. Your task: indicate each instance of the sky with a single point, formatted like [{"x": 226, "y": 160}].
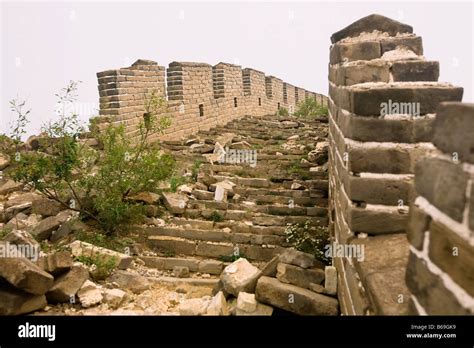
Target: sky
[{"x": 44, "y": 45}]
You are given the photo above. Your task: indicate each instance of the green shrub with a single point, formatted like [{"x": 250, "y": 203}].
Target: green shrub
[
  {"x": 309, "y": 239},
  {"x": 97, "y": 183},
  {"x": 309, "y": 107},
  {"x": 282, "y": 112},
  {"x": 215, "y": 216},
  {"x": 103, "y": 265}
]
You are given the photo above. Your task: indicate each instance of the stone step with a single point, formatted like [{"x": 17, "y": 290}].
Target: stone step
[
  {"x": 209, "y": 266},
  {"x": 182, "y": 246},
  {"x": 215, "y": 235}
]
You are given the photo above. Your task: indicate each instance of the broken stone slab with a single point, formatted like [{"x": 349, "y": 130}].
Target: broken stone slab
[
  {"x": 20, "y": 237},
  {"x": 16, "y": 302},
  {"x": 89, "y": 294},
  {"x": 114, "y": 297},
  {"x": 46, "y": 207},
  {"x": 21, "y": 198},
  {"x": 194, "y": 306},
  {"x": 129, "y": 281},
  {"x": 297, "y": 258},
  {"x": 23, "y": 221},
  {"x": 67, "y": 285},
  {"x": 299, "y": 276},
  {"x": 56, "y": 263},
  {"x": 46, "y": 227},
  {"x": 239, "y": 276},
  {"x": 210, "y": 266},
  {"x": 25, "y": 275},
  {"x": 294, "y": 299},
  {"x": 248, "y": 305},
  {"x": 10, "y": 186},
  {"x": 79, "y": 248},
  {"x": 14, "y": 210},
  {"x": 270, "y": 268},
  {"x": 218, "y": 305},
  {"x": 220, "y": 195},
  {"x": 69, "y": 227},
  {"x": 175, "y": 202}
]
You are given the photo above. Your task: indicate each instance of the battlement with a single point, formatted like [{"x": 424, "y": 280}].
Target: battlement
[{"x": 198, "y": 95}]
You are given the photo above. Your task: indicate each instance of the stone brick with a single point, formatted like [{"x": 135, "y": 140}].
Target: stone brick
[
  {"x": 376, "y": 221},
  {"x": 370, "y": 23},
  {"x": 418, "y": 224},
  {"x": 294, "y": 299},
  {"x": 360, "y": 128},
  {"x": 415, "y": 71},
  {"x": 348, "y": 75},
  {"x": 299, "y": 276},
  {"x": 443, "y": 184},
  {"x": 454, "y": 130},
  {"x": 430, "y": 291},
  {"x": 413, "y": 43},
  {"x": 365, "y": 50},
  {"x": 387, "y": 191},
  {"x": 367, "y": 101},
  {"x": 453, "y": 255}
]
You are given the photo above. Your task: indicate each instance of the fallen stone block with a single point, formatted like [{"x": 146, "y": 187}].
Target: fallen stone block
[
  {"x": 299, "y": 276},
  {"x": 218, "y": 305},
  {"x": 46, "y": 207},
  {"x": 121, "y": 261},
  {"x": 67, "y": 285},
  {"x": 239, "y": 276},
  {"x": 46, "y": 227},
  {"x": 114, "y": 297},
  {"x": 56, "y": 263},
  {"x": 16, "y": 302},
  {"x": 175, "y": 202},
  {"x": 248, "y": 305},
  {"x": 294, "y": 299},
  {"x": 25, "y": 275},
  {"x": 194, "y": 306},
  {"x": 129, "y": 281},
  {"x": 297, "y": 258},
  {"x": 89, "y": 294}
]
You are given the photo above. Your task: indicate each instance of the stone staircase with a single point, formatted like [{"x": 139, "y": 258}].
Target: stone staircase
[{"x": 282, "y": 188}]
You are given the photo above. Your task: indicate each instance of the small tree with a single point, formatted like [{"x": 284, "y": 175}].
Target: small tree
[
  {"x": 98, "y": 184},
  {"x": 309, "y": 107}
]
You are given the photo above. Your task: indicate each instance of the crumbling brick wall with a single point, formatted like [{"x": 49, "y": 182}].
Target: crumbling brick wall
[
  {"x": 376, "y": 65},
  {"x": 199, "y": 96},
  {"x": 440, "y": 271}
]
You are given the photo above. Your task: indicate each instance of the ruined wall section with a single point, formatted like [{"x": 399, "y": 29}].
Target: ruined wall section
[
  {"x": 123, "y": 92},
  {"x": 440, "y": 271},
  {"x": 373, "y": 151},
  {"x": 199, "y": 96}
]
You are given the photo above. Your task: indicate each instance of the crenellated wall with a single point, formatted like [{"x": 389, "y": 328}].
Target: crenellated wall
[
  {"x": 383, "y": 95},
  {"x": 199, "y": 96}
]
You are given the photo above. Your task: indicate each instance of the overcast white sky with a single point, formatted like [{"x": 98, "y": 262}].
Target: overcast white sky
[{"x": 44, "y": 45}]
